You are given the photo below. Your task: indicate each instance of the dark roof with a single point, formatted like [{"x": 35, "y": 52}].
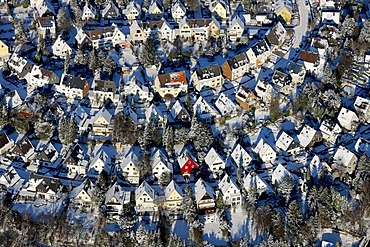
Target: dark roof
[
  {"x": 208, "y": 72},
  {"x": 23, "y": 147},
  {"x": 308, "y": 56},
  {"x": 3, "y": 140},
  {"x": 199, "y": 22},
  {"x": 105, "y": 86},
  {"x": 100, "y": 33},
  {"x": 73, "y": 82},
  {"x": 174, "y": 77},
  {"x": 237, "y": 61}
]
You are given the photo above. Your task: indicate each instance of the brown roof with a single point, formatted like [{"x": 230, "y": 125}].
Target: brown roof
[
  {"x": 3, "y": 140},
  {"x": 174, "y": 77},
  {"x": 23, "y": 147},
  {"x": 100, "y": 33},
  {"x": 308, "y": 56}
]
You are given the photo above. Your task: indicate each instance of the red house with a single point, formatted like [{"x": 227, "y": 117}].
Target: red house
[{"x": 187, "y": 164}]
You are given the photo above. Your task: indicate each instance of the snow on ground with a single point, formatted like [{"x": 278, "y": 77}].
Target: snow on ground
[
  {"x": 39, "y": 207},
  {"x": 85, "y": 219},
  {"x": 213, "y": 234},
  {"x": 181, "y": 229},
  {"x": 334, "y": 237},
  {"x": 239, "y": 224}
]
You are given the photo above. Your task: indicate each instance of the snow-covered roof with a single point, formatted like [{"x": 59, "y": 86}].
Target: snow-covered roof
[
  {"x": 241, "y": 156},
  {"x": 346, "y": 117},
  {"x": 343, "y": 156},
  {"x": 227, "y": 182},
  {"x": 212, "y": 156},
  {"x": 253, "y": 180},
  {"x": 279, "y": 173},
  {"x": 116, "y": 191},
  {"x": 176, "y": 109},
  {"x": 144, "y": 187},
  {"x": 172, "y": 186},
  {"x": 86, "y": 186},
  {"x": 201, "y": 188},
  {"x": 306, "y": 135},
  {"x": 224, "y": 104}
]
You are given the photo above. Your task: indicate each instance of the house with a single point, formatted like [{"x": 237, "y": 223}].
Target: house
[
  {"x": 362, "y": 107},
  {"x": 246, "y": 99},
  {"x": 145, "y": 198},
  {"x": 225, "y": 105},
  {"x": 187, "y": 163},
  {"x": 284, "y": 13},
  {"x": 235, "y": 67},
  {"x": 102, "y": 123},
  {"x": 207, "y": 77},
  {"x": 155, "y": 115},
  {"x": 137, "y": 32},
  {"x": 214, "y": 161},
  {"x": 4, "y": 53},
  {"x": 266, "y": 153},
  {"x": 344, "y": 161},
  {"x": 39, "y": 77},
  {"x": 43, "y": 9},
  {"x": 258, "y": 54},
  {"x": 297, "y": 72},
  {"x": 264, "y": 90},
  {"x": 255, "y": 183},
  {"x": 156, "y": 10},
  {"x": 115, "y": 198},
  {"x": 204, "y": 111},
  {"x": 199, "y": 29},
  {"x": 73, "y": 87},
  {"x": 279, "y": 173},
  {"x": 138, "y": 90},
  {"x": 19, "y": 65},
  {"x": 179, "y": 113},
  {"x": 82, "y": 40},
  {"x": 13, "y": 180},
  {"x": 88, "y": 12},
  {"x": 111, "y": 11},
  {"x": 240, "y": 156},
  {"x": 48, "y": 157},
  {"x": 178, "y": 11},
  {"x": 75, "y": 162},
  {"x": 46, "y": 27},
  {"x": 287, "y": 145},
  {"x": 308, "y": 137},
  {"x": 41, "y": 187},
  {"x": 171, "y": 84},
  {"x": 101, "y": 162},
  {"x": 283, "y": 82},
  {"x": 330, "y": 130},
  {"x": 12, "y": 100},
  {"x": 130, "y": 168},
  {"x": 348, "y": 119},
  {"x": 204, "y": 196},
  {"x": 5, "y": 143},
  {"x": 310, "y": 60},
  {"x": 132, "y": 11},
  {"x": 160, "y": 164},
  {"x": 104, "y": 37},
  {"x": 276, "y": 36},
  {"x": 230, "y": 191},
  {"x": 330, "y": 16},
  {"x": 174, "y": 195},
  {"x": 81, "y": 196},
  {"x": 236, "y": 29},
  {"x": 166, "y": 31},
  {"x": 24, "y": 149},
  {"x": 315, "y": 166},
  {"x": 219, "y": 9},
  {"x": 60, "y": 48},
  {"x": 102, "y": 90}
]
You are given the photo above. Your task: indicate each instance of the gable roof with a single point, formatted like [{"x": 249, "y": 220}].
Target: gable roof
[
  {"x": 144, "y": 187},
  {"x": 227, "y": 182},
  {"x": 201, "y": 188},
  {"x": 73, "y": 82},
  {"x": 116, "y": 191},
  {"x": 170, "y": 78},
  {"x": 308, "y": 56},
  {"x": 172, "y": 186}
]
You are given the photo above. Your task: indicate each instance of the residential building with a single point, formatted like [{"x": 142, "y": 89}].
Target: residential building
[
  {"x": 5, "y": 143},
  {"x": 207, "y": 77},
  {"x": 204, "y": 196},
  {"x": 102, "y": 90},
  {"x": 81, "y": 196},
  {"x": 145, "y": 198},
  {"x": 19, "y": 65},
  {"x": 46, "y": 27},
  {"x": 276, "y": 36},
  {"x": 308, "y": 137},
  {"x": 236, "y": 29},
  {"x": 214, "y": 161},
  {"x": 24, "y": 149},
  {"x": 179, "y": 113},
  {"x": 297, "y": 72},
  {"x": 279, "y": 173},
  {"x": 348, "y": 119},
  {"x": 156, "y": 10},
  {"x": 130, "y": 168},
  {"x": 330, "y": 130},
  {"x": 246, "y": 99},
  {"x": 362, "y": 107},
  {"x": 266, "y": 153},
  {"x": 115, "y": 198},
  {"x": 111, "y": 11},
  {"x": 236, "y": 67},
  {"x": 204, "y": 111},
  {"x": 283, "y": 82},
  {"x": 88, "y": 12},
  {"x": 160, "y": 164},
  {"x": 219, "y": 9},
  {"x": 73, "y": 87},
  {"x": 240, "y": 156},
  {"x": 287, "y": 145},
  {"x": 187, "y": 163},
  {"x": 344, "y": 161},
  {"x": 40, "y": 187},
  {"x": 4, "y": 53},
  {"x": 264, "y": 90},
  {"x": 102, "y": 123},
  {"x": 171, "y": 84},
  {"x": 225, "y": 105},
  {"x": 230, "y": 191},
  {"x": 284, "y": 12},
  {"x": 174, "y": 195},
  {"x": 132, "y": 11},
  {"x": 310, "y": 60},
  {"x": 60, "y": 48},
  {"x": 255, "y": 183}
]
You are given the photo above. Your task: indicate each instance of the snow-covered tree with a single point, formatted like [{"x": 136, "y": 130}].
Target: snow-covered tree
[
  {"x": 168, "y": 139},
  {"x": 109, "y": 65},
  {"x": 147, "y": 55},
  {"x": 285, "y": 188},
  {"x": 201, "y": 134},
  {"x": 77, "y": 13},
  {"x": 4, "y": 116},
  {"x": 64, "y": 22},
  {"x": 176, "y": 241},
  {"x": 43, "y": 129},
  {"x": 365, "y": 32},
  {"x": 294, "y": 219},
  {"x": 67, "y": 62},
  {"x": 180, "y": 135},
  {"x": 81, "y": 58},
  {"x": 348, "y": 26},
  {"x": 124, "y": 130},
  {"x": 93, "y": 62},
  {"x": 188, "y": 206},
  {"x": 262, "y": 218},
  {"x": 20, "y": 35}
]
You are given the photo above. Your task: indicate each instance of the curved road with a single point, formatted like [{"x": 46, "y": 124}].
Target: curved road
[{"x": 301, "y": 30}]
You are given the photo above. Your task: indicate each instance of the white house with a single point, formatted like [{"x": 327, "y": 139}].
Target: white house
[
  {"x": 82, "y": 195},
  {"x": 101, "y": 162},
  {"x": 308, "y": 136},
  {"x": 279, "y": 173},
  {"x": 174, "y": 196},
  {"x": 145, "y": 198},
  {"x": 130, "y": 169},
  {"x": 225, "y": 105},
  {"x": 264, "y": 90},
  {"x": 178, "y": 11},
  {"x": 132, "y": 11},
  {"x": 60, "y": 48},
  {"x": 236, "y": 29},
  {"x": 241, "y": 156},
  {"x": 179, "y": 113},
  {"x": 230, "y": 191},
  {"x": 114, "y": 200},
  {"x": 88, "y": 12},
  {"x": 204, "y": 111},
  {"x": 348, "y": 119},
  {"x": 204, "y": 195},
  {"x": 330, "y": 130},
  {"x": 265, "y": 152},
  {"x": 207, "y": 77},
  {"x": 73, "y": 87},
  {"x": 344, "y": 160},
  {"x": 166, "y": 31},
  {"x": 254, "y": 182},
  {"x": 214, "y": 161},
  {"x": 330, "y": 16},
  {"x": 287, "y": 145},
  {"x": 160, "y": 164},
  {"x": 362, "y": 107}
]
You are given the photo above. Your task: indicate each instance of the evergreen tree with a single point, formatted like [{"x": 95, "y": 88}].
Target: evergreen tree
[
  {"x": 201, "y": 134},
  {"x": 67, "y": 63},
  {"x": 365, "y": 32},
  {"x": 168, "y": 139},
  {"x": 94, "y": 63},
  {"x": 4, "y": 116},
  {"x": 188, "y": 206},
  {"x": 176, "y": 241},
  {"x": 124, "y": 130},
  {"x": 20, "y": 35},
  {"x": 80, "y": 57},
  {"x": 180, "y": 135},
  {"x": 109, "y": 65},
  {"x": 147, "y": 55},
  {"x": 77, "y": 13},
  {"x": 285, "y": 188},
  {"x": 64, "y": 22},
  {"x": 348, "y": 26},
  {"x": 43, "y": 129},
  {"x": 294, "y": 219}
]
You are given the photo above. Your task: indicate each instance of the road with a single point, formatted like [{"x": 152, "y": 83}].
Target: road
[{"x": 301, "y": 30}]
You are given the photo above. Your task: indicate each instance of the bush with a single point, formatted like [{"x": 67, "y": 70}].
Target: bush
[{"x": 25, "y": 4}]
